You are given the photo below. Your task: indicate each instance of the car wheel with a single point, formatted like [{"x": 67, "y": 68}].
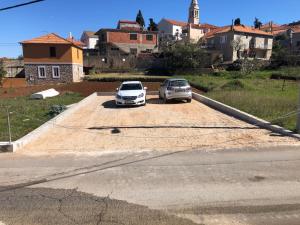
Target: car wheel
[
  {"x": 159, "y": 96},
  {"x": 189, "y": 100},
  {"x": 165, "y": 100}
]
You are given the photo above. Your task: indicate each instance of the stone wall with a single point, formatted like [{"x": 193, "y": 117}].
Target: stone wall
[{"x": 31, "y": 73}]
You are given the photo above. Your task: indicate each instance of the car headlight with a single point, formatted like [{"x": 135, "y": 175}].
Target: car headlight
[
  {"x": 119, "y": 97},
  {"x": 141, "y": 95}
]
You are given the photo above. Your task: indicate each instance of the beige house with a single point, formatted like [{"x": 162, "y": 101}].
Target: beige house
[{"x": 236, "y": 42}]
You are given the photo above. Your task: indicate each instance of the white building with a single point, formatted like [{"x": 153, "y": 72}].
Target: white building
[
  {"x": 192, "y": 30},
  {"x": 90, "y": 39}
]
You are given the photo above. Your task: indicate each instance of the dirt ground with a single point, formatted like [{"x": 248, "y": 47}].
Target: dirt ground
[{"x": 100, "y": 127}]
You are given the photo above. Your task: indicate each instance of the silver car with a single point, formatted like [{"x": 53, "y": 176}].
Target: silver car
[{"x": 177, "y": 89}]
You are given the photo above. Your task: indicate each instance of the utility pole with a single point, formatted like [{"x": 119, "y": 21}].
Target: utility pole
[{"x": 8, "y": 124}]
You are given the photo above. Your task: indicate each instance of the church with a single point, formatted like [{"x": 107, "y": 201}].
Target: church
[{"x": 192, "y": 30}]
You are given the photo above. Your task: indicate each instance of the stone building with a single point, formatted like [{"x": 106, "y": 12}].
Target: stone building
[
  {"x": 119, "y": 48},
  {"x": 52, "y": 59},
  {"x": 235, "y": 42}
]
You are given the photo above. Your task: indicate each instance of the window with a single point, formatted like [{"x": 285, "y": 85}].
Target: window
[
  {"x": 133, "y": 36},
  {"x": 133, "y": 51},
  {"x": 42, "y": 72},
  {"x": 115, "y": 49},
  {"x": 77, "y": 53},
  {"x": 149, "y": 37},
  {"x": 55, "y": 71},
  {"x": 223, "y": 39},
  {"x": 298, "y": 43},
  {"x": 52, "y": 52}
]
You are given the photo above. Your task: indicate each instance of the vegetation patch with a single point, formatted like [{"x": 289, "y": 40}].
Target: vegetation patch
[
  {"x": 233, "y": 85},
  {"x": 255, "y": 93},
  {"x": 27, "y": 115},
  {"x": 120, "y": 77}
]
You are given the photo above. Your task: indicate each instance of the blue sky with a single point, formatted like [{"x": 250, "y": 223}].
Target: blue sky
[{"x": 64, "y": 16}]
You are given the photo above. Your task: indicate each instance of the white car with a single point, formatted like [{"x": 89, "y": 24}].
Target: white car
[{"x": 131, "y": 93}]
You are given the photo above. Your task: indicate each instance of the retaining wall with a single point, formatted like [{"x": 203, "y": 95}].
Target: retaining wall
[{"x": 50, "y": 124}]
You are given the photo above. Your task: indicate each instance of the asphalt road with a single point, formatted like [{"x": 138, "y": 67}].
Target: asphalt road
[{"x": 254, "y": 186}]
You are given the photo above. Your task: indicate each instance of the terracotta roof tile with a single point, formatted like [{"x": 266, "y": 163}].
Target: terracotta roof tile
[
  {"x": 241, "y": 28},
  {"x": 51, "y": 38},
  {"x": 177, "y": 23}
]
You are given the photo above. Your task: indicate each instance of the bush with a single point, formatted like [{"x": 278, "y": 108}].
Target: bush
[
  {"x": 185, "y": 57},
  {"x": 56, "y": 110},
  {"x": 233, "y": 85}
]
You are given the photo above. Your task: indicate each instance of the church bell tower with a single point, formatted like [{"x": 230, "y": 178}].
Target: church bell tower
[{"x": 194, "y": 15}]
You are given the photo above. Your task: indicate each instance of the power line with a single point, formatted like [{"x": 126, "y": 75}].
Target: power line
[{"x": 20, "y": 5}]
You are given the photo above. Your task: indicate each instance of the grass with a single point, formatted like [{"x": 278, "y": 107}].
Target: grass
[
  {"x": 29, "y": 114},
  {"x": 256, "y": 94}
]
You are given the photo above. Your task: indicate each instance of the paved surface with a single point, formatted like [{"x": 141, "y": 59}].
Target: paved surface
[
  {"x": 248, "y": 186},
  {"x": 100, "y": 127}
]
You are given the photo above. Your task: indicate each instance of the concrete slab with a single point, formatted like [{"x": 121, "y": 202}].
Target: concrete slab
[{"x": 101, "y": 127}]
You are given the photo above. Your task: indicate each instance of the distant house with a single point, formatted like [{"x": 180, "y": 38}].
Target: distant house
[
  {"x": 235, "y": 42},
  {"x": 13, "y": 67},
  {"x": 52, "y": 59},
  {"x": 129, "y": 25},
  {"x": 191, "y": 31},
  {"x": 90, "y": 39},
  {"x": 127, "y": 41}
]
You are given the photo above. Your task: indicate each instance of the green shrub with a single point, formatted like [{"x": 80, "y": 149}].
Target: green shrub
[
  {"x": 56, "y": 110},
  {"x": 233, "y": 85}
]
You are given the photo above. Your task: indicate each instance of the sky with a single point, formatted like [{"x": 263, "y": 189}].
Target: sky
[{"x": 64, "y": 16}]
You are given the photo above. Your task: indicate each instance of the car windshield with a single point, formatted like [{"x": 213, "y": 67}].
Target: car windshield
[
  {"x": 179, "y": 83},
  {"x": 128, "y": 87}
]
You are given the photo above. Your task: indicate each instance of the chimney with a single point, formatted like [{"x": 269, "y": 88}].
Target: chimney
[{"x": 70, "y": 35}]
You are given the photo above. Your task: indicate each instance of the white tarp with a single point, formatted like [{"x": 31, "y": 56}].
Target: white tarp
[{"x": 45, "y": 94}]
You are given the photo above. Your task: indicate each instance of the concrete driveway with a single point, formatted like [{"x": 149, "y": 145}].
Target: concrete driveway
[{"x": 101, "y": 127}]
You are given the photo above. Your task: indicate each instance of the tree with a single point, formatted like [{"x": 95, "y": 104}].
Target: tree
[
  {"x": 2, "y": 71},
  {"x": 238, "y": 45},
  {"x": 237, "y": 22},
  {"x": 185, "y": 56},
  {"x": 152, "y": 26},
  {"x": 257, "y": 23},
  {"x": 140, "y": 19}
]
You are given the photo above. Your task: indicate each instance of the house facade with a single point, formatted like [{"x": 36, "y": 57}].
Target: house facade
[
  {"x": 236, "y": 42},
  {"x": 90, "y": 39},
  {"x": 126, "y": 41},
  {"x": 295, "y": 42},
  {"x": 52, "y": 59}
]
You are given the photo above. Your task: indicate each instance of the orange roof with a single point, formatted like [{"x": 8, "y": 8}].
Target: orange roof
[
  {"x": 296, "y": 30},
  {"x": 267, "y": 25},
  {"x": 76, "y": 42},
  {"x": 51, "y": 39},
  {"x": 240, "y": 28},
  {"x": 177, "y": 23}
]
